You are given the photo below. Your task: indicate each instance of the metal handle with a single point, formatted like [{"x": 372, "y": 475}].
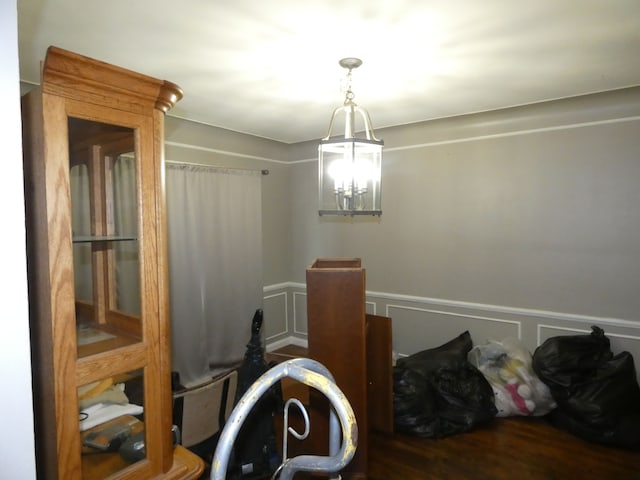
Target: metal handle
[{"x": 343, "y": 430}]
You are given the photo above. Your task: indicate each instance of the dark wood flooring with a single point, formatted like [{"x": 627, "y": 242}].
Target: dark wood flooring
[{"x": 514, "y": 448}]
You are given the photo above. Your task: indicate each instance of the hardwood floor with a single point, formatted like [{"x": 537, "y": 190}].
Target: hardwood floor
[{"x": 506, "y": 449}]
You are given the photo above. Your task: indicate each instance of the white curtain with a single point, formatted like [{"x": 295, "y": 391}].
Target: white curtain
[{"x": 215, "y": 265}]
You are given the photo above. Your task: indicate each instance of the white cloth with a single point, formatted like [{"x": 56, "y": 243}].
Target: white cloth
[{"x": 103, "y": 412}]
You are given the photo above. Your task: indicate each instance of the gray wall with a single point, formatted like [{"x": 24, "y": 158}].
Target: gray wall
[{"x": 520, "y": 222}]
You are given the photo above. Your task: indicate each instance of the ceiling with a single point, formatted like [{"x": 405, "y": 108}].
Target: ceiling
[{"x": 270, "y": 67}]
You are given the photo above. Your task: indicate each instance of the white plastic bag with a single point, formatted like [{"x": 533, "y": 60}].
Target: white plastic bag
[{"x": 507, "y": 367}]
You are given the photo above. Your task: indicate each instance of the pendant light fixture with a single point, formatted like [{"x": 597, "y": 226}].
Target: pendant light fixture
[{"x": 349, "y": 168}]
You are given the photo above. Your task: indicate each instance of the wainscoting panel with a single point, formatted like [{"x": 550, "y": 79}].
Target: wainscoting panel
[
  {"x": 300, "y": 316},
  {"x": 370, "y": 307},
  {"x": 276, "y": 315},
  {"x": 416, "y": 329},
  {"x": 422, "y": 323}
]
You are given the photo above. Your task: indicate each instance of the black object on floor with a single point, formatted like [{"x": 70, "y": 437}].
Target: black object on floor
[
  {"x": 437, "y": 392},
  {"x": 254, "y": 454},
  {"x": 596, "y": 391}
]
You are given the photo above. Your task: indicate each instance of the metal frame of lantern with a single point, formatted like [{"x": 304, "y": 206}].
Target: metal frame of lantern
[{"x": 350, "y": 168}]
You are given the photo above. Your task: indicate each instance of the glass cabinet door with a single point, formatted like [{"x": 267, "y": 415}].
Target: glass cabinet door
[
  {"x": 111, "y": 433},
  {"x": 106, "y": 268},
  {"x": 105, "y": 235}
]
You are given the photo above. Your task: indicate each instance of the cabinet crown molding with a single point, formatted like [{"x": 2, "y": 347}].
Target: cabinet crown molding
[{"x": 75, "y": 76}]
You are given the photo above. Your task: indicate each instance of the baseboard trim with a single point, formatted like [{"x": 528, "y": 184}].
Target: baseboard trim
[{"x": 283, "y": 342}]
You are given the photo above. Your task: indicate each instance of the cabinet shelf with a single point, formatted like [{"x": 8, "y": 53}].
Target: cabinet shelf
[
  {"x": 99, "y": 339},
  {"x": 103, "y": 238}
]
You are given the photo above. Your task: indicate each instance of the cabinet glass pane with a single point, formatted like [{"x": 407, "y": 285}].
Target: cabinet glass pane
[
  {"x": 127, "y": 291},
  {"x": 111, "y": 424},
  {"x": 105, "y": 235},
  {"x": 81, "y": 226}
]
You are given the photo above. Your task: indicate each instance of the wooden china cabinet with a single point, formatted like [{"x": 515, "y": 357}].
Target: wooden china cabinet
[{"x": 97, "y": 266}]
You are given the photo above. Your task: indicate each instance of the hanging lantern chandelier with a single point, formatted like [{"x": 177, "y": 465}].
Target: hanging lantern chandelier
[{"x": 350, "y": 168}]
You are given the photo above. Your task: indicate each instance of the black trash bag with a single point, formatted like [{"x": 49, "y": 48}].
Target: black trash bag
[
  {"x": 597, "y": 393},
  {"x": 568, "y": 359},
  {"x": 412, "y": 398},
  {"x": 451, "y": 354},
  {"x": 438, "y": 393},
  {"x": 412, "y": 393}
]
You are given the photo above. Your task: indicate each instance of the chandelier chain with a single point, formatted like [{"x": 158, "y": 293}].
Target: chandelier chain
[{"x": 349, "y": 95}]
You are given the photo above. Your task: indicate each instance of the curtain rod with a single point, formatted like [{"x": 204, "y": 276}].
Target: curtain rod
[{"x": 264, "y": 171}]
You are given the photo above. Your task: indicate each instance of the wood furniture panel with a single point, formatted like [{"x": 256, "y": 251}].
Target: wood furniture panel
[
  {"x": 379, "y": 373},
  {"x": 340, "y": 339},
  {"x": 91, "y": 114}
]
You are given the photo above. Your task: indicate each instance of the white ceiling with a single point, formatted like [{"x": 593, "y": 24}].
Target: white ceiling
[{"x": 270, "y": 67}]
